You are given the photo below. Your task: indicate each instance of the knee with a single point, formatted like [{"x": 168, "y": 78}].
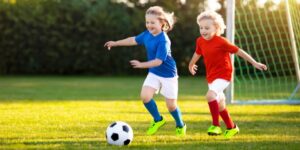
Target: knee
[
  {"x": 221, "y": 107},
  {"x": 172, "y": 108},
  {"x": 210, "y": 96},
  {"x": 171, "y": 105},
  {"x": 145, "y": 97}
]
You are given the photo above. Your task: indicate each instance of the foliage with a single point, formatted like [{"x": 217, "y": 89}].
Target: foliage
[{"x": 67, "y": 37}]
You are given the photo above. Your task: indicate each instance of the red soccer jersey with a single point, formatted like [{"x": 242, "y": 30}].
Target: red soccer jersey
[{"x": 216, "y": 57}]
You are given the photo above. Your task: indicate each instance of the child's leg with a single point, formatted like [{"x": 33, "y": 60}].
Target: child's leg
[
  {"x": 147, "y": 97},
  {"x": 175, "y": 111},
  {"x": 169, "y": 89},
  {"x": 224, "y": 113},
  {"x": 211, "y": 97},
  {"x": 232, "y": 129},
  {"x": 150, "y": 87},
  {"x": 214, "y": 129}
]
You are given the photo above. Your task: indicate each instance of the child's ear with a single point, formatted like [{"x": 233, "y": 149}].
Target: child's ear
[{"x": 165, "y": 27}]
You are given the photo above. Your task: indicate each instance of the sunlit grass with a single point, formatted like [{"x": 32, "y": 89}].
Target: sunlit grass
[
  {"x": 48, "y": 118},
  {"x": 81, "y": 124}
]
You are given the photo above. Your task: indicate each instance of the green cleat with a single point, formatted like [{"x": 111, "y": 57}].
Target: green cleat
[
  {"x": 154, "y": 126},
  {"x": 214, "y": 130},
  {"x": 181, "y": 131},
  {"x": 229, "y": 133}
]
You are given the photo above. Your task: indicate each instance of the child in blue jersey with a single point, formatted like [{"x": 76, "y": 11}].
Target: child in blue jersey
[{"x": 162, "y": 67}]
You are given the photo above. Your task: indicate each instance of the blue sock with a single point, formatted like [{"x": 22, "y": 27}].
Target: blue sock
[
  {"x": 177, "y": 116},
  {"x": 152, "y": 108}
]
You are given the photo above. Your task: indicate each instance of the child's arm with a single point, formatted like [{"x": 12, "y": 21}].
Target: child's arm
[
  {"x": 147, "y": 64},
  {"x": 192, "y": 66},
  {"x": 248, "y": 58},
  {"x": 130, "y": 41}
]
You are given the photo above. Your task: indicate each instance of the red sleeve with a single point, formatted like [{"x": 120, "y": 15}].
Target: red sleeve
[
  {"x": 198, "y": 49},
  {"x": 229, "y": 47}
]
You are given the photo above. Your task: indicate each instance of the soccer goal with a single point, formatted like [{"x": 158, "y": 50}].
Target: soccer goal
[{"x": 269, "y": 30}]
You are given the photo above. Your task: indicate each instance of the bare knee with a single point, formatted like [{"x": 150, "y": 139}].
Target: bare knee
[
  {"x": 145, "y": 97},
  {"x": 171, "y": 108},
  {"x": 147, "y": 94},
  {"x": 221, "y": 106},
  {"x": 171, "y": 104},
  {"x": 211, "y": 95}
]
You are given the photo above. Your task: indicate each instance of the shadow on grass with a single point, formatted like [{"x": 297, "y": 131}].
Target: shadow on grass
[
  {"x": 262, "y": 134},
  {"x": 184, "y": 144}
]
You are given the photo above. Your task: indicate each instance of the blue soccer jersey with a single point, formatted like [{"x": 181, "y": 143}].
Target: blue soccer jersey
[{"x": 159, "y": 47}]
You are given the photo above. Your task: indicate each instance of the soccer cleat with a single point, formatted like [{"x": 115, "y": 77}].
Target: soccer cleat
[
  {"x": 214, "y": 130},
  {"x": 181, "y": 131},
  {"x": 154, "y": 126},
  {"x": 231, "y": 132}
]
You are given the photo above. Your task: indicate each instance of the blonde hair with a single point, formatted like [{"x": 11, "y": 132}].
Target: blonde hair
[
  {"x": 216, "y": 18},
  {"x": 167, "y": 19}
]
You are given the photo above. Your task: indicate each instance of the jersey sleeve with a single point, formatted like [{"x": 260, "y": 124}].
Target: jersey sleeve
[
  {"x": 140, "y": 38},
  {"x": 198, "y": 49},
  {"x": 162, "y": 50},
  {"x": 231, "y": 48}
]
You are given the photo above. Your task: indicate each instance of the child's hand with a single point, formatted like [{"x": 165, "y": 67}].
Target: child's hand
[
  {"x": 260, "y": 66},
  {"x": 136, "y": 64},
  {"x": 193, "y": 69},
  {"x": 110, "y": 44}
]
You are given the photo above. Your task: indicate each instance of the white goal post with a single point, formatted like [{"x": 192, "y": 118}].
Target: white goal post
[{"x": 289, "y": 79}]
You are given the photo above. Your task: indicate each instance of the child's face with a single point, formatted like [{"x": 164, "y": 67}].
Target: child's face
[
  {"x": 207, "y": 28},
  {"x": 153, "y": 24}
]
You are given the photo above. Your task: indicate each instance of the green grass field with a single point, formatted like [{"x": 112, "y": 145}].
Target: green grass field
[{"x": 73, "y": 113}]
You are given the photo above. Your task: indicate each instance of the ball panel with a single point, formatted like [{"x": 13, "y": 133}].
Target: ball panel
[
  {"x": 113, "y": 124},
  {"x": 125, "y": 128},
  {"x": 126, "y": 142},
  {"x": 115, "y": 136}
]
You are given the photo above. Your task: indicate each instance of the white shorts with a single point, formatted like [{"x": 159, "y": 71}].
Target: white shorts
[
  {"x": 218, "y": 86},
  {"x": 168, "y": 87}
]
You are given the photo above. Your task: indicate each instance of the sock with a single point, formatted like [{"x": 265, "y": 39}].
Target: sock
[
  {"x": 177, "y": 116},
  {"x": 152, "y": 108},
  {"x": 214, "y": 110},
  {"x": 227, "y": 119}
]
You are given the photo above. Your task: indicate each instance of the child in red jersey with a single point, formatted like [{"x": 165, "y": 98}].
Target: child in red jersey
[{"x": 215, "y": 50}]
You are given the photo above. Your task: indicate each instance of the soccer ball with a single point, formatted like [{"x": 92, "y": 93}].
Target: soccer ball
[{"x": 119, "y": 133}]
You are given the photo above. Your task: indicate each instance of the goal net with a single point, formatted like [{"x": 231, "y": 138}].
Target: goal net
[{"x": 263, "y": 29}]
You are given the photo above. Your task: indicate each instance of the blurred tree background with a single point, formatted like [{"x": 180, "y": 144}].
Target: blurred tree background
[{"x": 67, "y": 37}]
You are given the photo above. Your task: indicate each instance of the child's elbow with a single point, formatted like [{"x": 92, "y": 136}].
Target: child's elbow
[{"x": 158, "y": 62}]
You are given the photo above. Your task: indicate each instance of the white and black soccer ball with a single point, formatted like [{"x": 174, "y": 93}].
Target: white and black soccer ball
[{"x": 119, "y": 133}]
